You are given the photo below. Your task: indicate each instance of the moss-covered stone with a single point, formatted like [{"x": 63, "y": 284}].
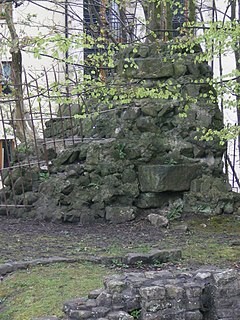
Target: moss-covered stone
[
  {"x": 120, "y": 214},
  {"x": 148, "y": 200},
  {"x": 160, "y": 178},
  {"x": 150, "y": 68},
  {"x": 179, "y": 67}
]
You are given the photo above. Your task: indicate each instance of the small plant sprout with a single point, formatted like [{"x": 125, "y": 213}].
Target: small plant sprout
[
  {"x": 175, "y": 209},
  {"x": 135, "y": 313}
]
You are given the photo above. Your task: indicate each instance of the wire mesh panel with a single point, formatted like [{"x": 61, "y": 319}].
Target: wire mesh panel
[
  {"x": 232, "y": 166},
  {"x": 47, "y": 126}
]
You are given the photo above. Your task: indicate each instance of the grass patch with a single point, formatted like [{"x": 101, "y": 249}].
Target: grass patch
[
  {"x": 210, "y": 252},
  {"x": 209, "y": 241},
  {"x": 222, "y": 224},
  {"x": 41, "y": 291},
  {"x": 116, "y": 249},
  {"x": 121, "y": 250}
]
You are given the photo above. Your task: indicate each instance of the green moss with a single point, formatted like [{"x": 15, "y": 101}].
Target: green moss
[{"x": 42, "y": 290}]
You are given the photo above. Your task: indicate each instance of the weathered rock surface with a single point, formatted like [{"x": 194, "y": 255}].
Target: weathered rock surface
[
  {"x": 158, "y": 220},
  {"x": 160, "y": 178},
  {"x": 120, "y": 214},
  {"x": 206, "y": 294},
  {"x": 154, "y": 256}
]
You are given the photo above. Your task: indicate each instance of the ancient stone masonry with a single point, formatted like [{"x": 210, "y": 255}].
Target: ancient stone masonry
[
  {"x": 162, "y": 295},
  {"x": 138, "y": 156}
]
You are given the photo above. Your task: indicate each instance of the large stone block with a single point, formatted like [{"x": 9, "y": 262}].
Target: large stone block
[
  {"x": 150, "y": 68},
  {"x": 120, "y": 214},
  {"x": 160, "y": 178}
]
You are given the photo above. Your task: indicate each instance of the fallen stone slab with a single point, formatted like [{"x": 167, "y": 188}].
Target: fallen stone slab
[
  {"x": 120, "y": 214},
  {"x": 5, "y": 268},
  {"x": 159, "y": 256},
  {"x": 135, "y": 258},
  {"x": 163, "y": 256}
]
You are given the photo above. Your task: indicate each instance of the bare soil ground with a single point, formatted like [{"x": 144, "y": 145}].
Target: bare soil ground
[{"x": 208, "y": 240}]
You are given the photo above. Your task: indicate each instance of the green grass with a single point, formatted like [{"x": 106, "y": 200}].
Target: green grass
[
  {"x": 222, "y": 224},
  {"x": 209, "y": 241},
  {"x": 210, "y": 252},
  {"x": 41, "y": 291},
  {"x": 110, "y": 250},
  {"x": 121, "y": 250}
]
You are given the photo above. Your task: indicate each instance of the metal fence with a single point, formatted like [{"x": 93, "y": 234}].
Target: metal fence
[
  {"x": 232, "y": 165},
  {"x": 31, "y": 150}
]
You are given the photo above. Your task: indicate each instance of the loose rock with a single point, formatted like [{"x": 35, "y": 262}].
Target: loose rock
[{"x": 158, "y": 220}]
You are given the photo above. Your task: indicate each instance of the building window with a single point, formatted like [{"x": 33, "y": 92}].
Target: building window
[
  {"x": 6, "y": 70},
  {"x": 5, "y": 77},
  {"x": 97, "y": 16},
  {"x": 180, "y": 17},
  {"x": 115, "y": 25}
]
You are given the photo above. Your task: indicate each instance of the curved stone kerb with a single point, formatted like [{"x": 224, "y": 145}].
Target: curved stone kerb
[{"x": 201, "y": 295}]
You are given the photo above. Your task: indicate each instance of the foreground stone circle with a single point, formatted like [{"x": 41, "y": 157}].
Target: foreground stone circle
[{"x": 205, "y": 294}]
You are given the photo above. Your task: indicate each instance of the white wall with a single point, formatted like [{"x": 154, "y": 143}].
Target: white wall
[
  {"x": 43, "y": 19},
  {"x": 228, "y": 64},
  {"x": 48, "y": 17}
]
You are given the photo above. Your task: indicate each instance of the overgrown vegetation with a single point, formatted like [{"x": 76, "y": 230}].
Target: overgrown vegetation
[{"x": 41, "y": 291}]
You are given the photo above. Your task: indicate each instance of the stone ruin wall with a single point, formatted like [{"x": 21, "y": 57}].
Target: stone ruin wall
[
  {"x": 162, "y": 295},
  {"x": 134, "y": 158}
]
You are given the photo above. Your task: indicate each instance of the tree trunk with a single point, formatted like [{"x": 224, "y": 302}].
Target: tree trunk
[
  {"x": 20, "y": 124},
  {"x": 156, "y": 21}
]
